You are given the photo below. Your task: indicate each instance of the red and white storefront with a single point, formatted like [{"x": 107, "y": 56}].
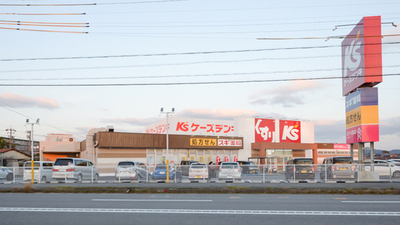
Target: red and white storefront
[{"x": 296, "y": 134}]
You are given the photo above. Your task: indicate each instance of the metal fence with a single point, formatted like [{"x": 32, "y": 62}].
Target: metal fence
[{"x": 273, "y": 173}]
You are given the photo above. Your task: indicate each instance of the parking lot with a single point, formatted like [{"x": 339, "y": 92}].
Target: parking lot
[{"x": 264, "y": 174}]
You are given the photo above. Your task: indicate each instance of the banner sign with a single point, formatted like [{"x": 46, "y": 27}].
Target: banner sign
[
  {"x": 215, "y": 142},
  {"x": 289, "y": 131},
  {"x": 265, "y": 130},
  {"x": 362, "y": 116},
  {"x": 362, "y": 55},
  {"x": 203, "y": 142},
  {"x": 277, "y": 131}
]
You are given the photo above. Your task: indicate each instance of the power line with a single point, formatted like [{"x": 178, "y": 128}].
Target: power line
[
  {"x": 187, "y": 75},
  {"x": 44, "y": 14},
  {"x": 50, "y": 31},
  {"x": 184, "y": 83},
  {"x": 177, "y": 64},
  {"x": 26, "y": 116},
  {"x": 188, "y": 53},
  {"x": 52, "y": 5}
]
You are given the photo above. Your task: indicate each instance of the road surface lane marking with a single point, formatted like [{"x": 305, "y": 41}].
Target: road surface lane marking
[
  {"x": 149, "y": 200},
  {"x": 378, "y": 202},
  {"x": 200, "y": 211}
]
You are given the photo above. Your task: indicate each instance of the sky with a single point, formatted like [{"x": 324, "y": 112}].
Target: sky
[{"x": 204, "y": 58}]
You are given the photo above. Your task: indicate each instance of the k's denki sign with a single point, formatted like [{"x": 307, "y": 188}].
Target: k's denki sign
[{"x": 274, "y": 131}]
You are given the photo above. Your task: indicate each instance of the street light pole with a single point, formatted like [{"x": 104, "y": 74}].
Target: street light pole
[
  {"x": 32, "y": 154},
  {"x": 167, "y": 137}
]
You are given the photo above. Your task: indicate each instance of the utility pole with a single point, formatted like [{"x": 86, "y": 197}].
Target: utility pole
[
  {"x": 31, "y": 139},
  {"x": 11, "y": 132}
]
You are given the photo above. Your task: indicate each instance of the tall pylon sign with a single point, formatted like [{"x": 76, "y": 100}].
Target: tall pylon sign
[{"x": 361, "y": 71}]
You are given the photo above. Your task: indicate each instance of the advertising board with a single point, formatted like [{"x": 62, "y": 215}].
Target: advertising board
[
  {"x": 362, "y": 116},
  {"x": 362, "y": 55},
  {"x": 277, "y": 131},
  {"x": 192, "y": 126}
]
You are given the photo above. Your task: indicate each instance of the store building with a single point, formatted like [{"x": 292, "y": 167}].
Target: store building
[
  {"x": 281, "y": 139},
  {"x": 203, "y": 140}
]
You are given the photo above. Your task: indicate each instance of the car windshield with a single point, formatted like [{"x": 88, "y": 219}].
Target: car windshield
[
  {"x": 229, "y": 165},
  {"x": 344, "y": 160},
  {"x": 247, "y": 163},
  {"x": 161, "y": 167},
  {"x": 63, "y": 162},
  {"x": 198, "y": 166},
  {"x": 303, "y": 161},
  {"x": 35, "y": 165},
  {"x": 125, "y": 164}
]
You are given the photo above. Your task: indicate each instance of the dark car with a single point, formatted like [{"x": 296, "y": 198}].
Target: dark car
[
  {"x": 185, "y": 167},
  {"x": 338, "y": 167},
  {"x": 248, "y": 167},
  {"x": 300, "y": 168}
]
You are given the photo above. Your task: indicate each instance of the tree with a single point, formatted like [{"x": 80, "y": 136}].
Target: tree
[{"x": 3, "y": 143}]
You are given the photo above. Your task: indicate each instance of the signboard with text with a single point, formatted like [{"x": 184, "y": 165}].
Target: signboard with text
[
  {"x": 192, "y": 126},
  {"x": 362, "y": 55},
  {"x": 277, "y": 131},
  {"x": 362, "y": 116}
]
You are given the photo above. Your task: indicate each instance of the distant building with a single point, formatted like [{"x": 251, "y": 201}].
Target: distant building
[{"x": 23, "y": 145}]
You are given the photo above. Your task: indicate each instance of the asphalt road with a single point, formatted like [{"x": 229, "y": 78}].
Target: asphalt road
[{"x": 16, "y": 208}]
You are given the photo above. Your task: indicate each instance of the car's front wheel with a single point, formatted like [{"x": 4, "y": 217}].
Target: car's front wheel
[
  {"x": 396, "y": 174},
  {"x": 9, "y": 177}
]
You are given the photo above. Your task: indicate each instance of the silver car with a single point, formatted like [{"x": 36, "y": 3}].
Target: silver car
[
  {"x": 127, "y": 170},
  {"x": 6, "y": 173},
  {"x": 74, "y": 168},
  {"x": 198, "y": 171},
  {"x": 229, "y": 171}
]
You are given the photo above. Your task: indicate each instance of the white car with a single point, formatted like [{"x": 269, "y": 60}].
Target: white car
[
  {"x": 129, "y": 170},
  {"x": 229, "y": 171},
  {"x": 198, "y": 171},
  {"x": 385, "y": 168}
]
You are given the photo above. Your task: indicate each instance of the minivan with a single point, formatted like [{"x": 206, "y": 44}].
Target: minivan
[
  {"x": 42, "y": 170},
  {"x": 131, "y": 170},
  {"x": 338, "y": 167},
  {"x": 300, "y": 168},
  {"x": 74, "y": 168}
]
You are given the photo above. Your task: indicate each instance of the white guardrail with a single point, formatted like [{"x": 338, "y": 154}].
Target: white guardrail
[{"x": 272, "y": 173}]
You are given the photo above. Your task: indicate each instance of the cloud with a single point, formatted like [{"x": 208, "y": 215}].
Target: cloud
[
  {"x": 390, "y": 126},
  {"x": 330, "y": 131},
  {"x": 19, "y": 101},
  {"x": 220, "y": 113},
  {"x": 287, "y": 95}
]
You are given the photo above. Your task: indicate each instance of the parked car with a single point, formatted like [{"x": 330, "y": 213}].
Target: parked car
[
  {"x": 385, "y": 168},
  {"x": 338, "y": 167},
  {"x": 229, "y": 170},
  {"x": 395, "y": 161},
  {"x": 185, "y": 167},
  {"x": 42, "y": 170},
  {"x": 130, "y": 170},
  {"x": 74, "y": 168},
  {"x": 198, "y": 171},
  {"x": 6, "y": 173},
  {"x": 248, "y": 167},
  {"x": 300, "y": 168},
  {"x": 160, "y": 172}
]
